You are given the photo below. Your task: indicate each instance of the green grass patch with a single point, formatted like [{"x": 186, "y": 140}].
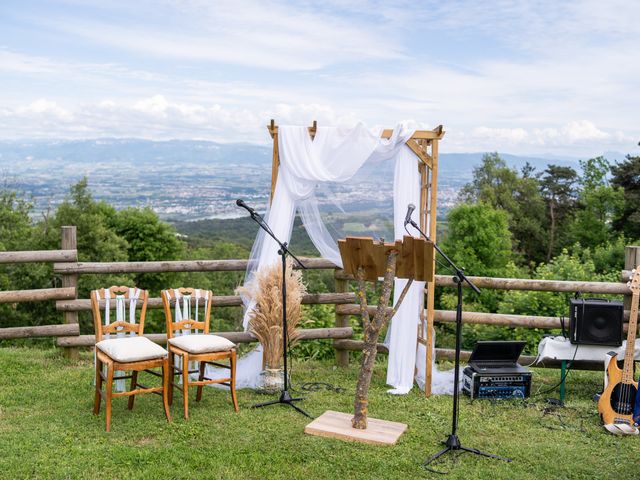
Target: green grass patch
[{"x": 47, "y": 430}]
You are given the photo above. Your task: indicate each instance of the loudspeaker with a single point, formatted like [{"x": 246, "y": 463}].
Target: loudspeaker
[{"x": 595, "y": 322}]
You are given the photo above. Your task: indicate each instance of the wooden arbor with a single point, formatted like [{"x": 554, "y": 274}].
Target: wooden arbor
[{"x": 424, "y": 143}]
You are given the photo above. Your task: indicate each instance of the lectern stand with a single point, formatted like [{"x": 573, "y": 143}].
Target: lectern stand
[{"x": 366, "y": 260}]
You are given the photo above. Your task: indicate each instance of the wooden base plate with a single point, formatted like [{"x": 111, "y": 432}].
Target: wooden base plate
[{"x": 338, "y": 425}]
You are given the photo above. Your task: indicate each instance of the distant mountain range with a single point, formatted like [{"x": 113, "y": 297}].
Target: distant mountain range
[{"x": 147, "y": 152}]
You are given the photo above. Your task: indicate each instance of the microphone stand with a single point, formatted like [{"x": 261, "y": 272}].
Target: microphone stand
[
  {"x": 285, "y": 396},
  {"x": 453, "y": 442}
]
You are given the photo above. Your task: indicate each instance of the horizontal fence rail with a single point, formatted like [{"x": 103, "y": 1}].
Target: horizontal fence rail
[
  {"x": 499, "y": 319},
  {"x": 236, "y": 337},
  {"x": 37, "y": 295},
  {"x": 174, "y": 266},
  {"x": 534, "y": 285},
  {"x": 40, "y": 331},
  {"x": 36, "y": 256},
  {"x": 216, "y": 301}
]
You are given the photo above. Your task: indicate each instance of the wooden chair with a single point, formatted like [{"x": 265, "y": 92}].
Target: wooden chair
[
  {"x": 192, "y": 346},
  {"x": 121, "y": 346}
]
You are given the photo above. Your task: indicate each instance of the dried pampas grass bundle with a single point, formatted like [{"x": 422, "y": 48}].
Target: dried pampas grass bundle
[{"x": 265, "y": 320}]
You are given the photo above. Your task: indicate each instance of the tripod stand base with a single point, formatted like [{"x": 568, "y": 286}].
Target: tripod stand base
[
  {"x": 453, "y": 443},
  {"x": 338, "y": 425},
  {"x": 285, "y": 399}
]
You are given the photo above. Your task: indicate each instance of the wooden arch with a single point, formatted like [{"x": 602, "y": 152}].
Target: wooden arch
[{"x": 424, "y": 143}]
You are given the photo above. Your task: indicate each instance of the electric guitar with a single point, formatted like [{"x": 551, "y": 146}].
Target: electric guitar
[{"x": 617, "y": 402}]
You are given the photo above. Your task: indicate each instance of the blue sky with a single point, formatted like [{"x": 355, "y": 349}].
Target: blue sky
[{"x": 552, "y": 77}]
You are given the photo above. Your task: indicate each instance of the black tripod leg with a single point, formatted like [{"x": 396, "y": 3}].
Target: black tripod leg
[
  {"x": 300, "y": 410},
  {"x": 436, "y": 456},
  {"x": 478, "y": 452},
  {"x": 266, "y": 404}
]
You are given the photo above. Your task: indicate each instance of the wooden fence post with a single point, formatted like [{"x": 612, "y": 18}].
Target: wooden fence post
[
  {"x": 69, "y": 242},
  {"x": 342, "y": 355}
]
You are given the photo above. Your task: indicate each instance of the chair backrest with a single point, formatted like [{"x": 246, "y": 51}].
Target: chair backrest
[
  {"x": 186, "y": 317},
  {"x": 119, "y": 306}
]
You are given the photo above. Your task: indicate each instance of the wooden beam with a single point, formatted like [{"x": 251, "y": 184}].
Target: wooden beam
[
  {"x": 39, "y": 256},
  {"x": 62, "y": 330},
  {"x": 435, "y": 134},
  {"x": 37, "y": 295},
  {"x": 84, "y": 305},
  {"x": 566, "y": 286},
  {"x": 236, "y": 337},
  {"x": 417, "y": 149},
  {"x": 174, "y": 266}
]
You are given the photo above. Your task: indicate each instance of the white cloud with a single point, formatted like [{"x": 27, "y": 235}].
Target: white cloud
[{"x": 44, "y": 108}]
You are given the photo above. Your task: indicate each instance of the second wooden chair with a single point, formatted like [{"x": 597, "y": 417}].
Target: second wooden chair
[{"x": 188, "y": 339}]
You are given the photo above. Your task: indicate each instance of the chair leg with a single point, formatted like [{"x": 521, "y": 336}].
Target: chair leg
[
  {"x": 234, "y": 397},
  {"x": 200, "y": 378},
  {"x": 109, "y": 392},
  {"x": 98, "y": 398},
  {"x": 171, "y": 360},
  {"x": 185, "y": 385},
  {"x": 134, "y": 383},
  {"x": 167, "y": 371}
]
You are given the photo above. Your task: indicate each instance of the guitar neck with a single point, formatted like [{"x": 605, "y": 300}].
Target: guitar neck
[{"x": 630, "y": 351}]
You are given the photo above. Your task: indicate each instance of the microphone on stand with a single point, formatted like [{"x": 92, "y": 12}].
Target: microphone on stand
[
  {"x": 410, "y": 208},
  {"x": 241, "y": 203}
]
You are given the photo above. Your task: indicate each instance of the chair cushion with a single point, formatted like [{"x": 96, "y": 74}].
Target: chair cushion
[
  {"x": 202, "y": 343},
  {"x": 131, "y": 349}
]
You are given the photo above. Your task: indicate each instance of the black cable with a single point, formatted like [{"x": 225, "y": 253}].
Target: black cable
[{"x": 564, "y": 377}]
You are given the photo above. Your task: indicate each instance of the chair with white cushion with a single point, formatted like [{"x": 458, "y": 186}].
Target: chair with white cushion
[
  {"x": 188, "y": 339},
  {"x": 121, "y": 346}
]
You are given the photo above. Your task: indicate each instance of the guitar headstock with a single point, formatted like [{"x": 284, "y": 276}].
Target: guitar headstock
[{"x": 634, "y": 280}]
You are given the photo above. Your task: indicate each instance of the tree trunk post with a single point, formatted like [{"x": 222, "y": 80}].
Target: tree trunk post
[
  {"x": 372, "y": 329},
  {"x": 69, "y": 242}
]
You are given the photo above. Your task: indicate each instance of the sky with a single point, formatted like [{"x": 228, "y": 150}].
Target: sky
[{"x": 529, "y": 77}]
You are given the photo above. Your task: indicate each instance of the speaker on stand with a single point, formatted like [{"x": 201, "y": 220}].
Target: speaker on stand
[{"x": 595, "y": 321}]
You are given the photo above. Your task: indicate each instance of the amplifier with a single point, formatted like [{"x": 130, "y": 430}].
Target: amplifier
[{"x": 496, "y": 385}]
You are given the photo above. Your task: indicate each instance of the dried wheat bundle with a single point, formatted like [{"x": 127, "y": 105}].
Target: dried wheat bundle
[{"x": 265, "y": 320}]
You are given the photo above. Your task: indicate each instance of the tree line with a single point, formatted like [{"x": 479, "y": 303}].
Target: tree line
[{"x": 558, "y": 223}]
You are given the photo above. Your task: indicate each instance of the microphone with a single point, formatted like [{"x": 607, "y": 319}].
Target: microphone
[
  {"x": 410, "y": 208},
  {"x": 241, "y": 203}
]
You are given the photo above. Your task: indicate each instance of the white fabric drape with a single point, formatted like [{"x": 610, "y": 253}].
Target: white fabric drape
[
  {"x": 336, "y": 155},
  {"x": 402, "y": 335}
]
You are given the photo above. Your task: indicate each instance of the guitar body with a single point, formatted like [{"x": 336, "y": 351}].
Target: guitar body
[{"x": 617, "y": 401}]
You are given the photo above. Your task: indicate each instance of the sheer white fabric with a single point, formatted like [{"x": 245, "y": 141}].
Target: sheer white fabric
[{"x": 336, "y": 155}]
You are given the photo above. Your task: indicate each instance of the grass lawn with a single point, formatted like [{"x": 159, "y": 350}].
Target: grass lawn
[{"x": 47, "y": 430}]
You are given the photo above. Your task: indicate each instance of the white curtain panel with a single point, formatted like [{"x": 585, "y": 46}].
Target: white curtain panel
[{"x": 336, "y": 155}]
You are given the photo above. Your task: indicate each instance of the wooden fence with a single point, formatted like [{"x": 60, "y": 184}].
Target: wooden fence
[{"x": 65, "y": 264}]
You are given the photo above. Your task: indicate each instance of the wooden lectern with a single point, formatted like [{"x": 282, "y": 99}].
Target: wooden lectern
[
  {"x": 368, "y": 260},
  {"x": 415, "y": 257}
]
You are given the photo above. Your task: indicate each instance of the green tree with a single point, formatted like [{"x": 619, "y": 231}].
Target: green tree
[
  {"x": 17, "y": 233},
  {"x": 502, "y": 187},
  {"x": 479, "y": 241},
  {"x": 148, "y": 239},
  {"x": 598, "y": 204},
  {"x": 557, "y": 187},
  {"x": 478, "y": 238},
  {"x": 626, "y": 175}
]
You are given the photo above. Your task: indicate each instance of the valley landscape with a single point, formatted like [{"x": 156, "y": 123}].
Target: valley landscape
[{"x": 186, "y": 181}]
